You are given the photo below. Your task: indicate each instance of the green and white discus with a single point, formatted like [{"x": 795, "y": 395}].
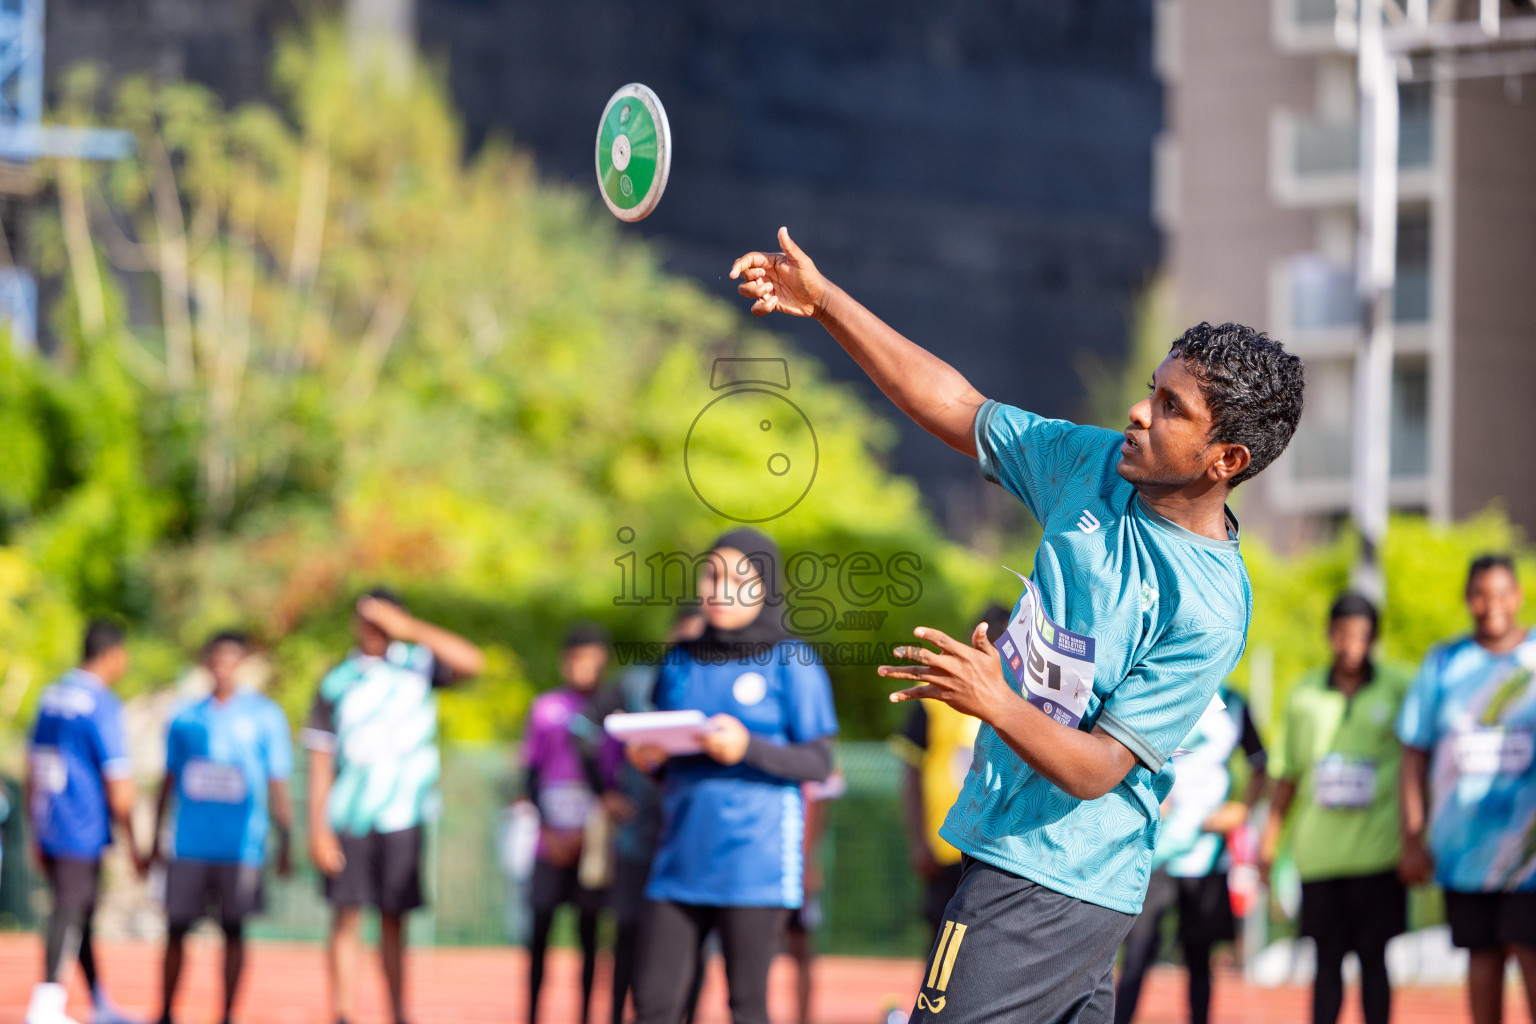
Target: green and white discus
[{"x": 634, "y": 152}]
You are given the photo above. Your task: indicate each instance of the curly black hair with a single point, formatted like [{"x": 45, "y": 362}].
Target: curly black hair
[{"x": 1254, "y": 388}]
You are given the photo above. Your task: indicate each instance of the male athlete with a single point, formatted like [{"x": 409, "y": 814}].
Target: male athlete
[
  {"x": 1139, "y": 569},
  {"x": 373, "y": 769},
  {"x": 228, "y": 759},
  {"x": 79, "y": 784}
]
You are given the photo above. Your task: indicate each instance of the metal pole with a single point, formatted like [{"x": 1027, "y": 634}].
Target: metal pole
[{"x": 1377, "y": 265}]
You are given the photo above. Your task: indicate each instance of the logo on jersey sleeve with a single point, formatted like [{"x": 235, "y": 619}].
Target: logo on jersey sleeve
[
  {"x": 941, "y": 967},
  {"x": 1087, "y": 523}
]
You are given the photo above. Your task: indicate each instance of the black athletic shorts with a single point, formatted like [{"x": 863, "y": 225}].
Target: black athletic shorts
[
  {"x": 194, "y": 888},
  {"x": 1203, "y": 903},
  {"x": 1013, "y": 950},
  {"x": 1480, "y": 920},
  {"x": 75, "y": 883},
  {"x": 1365, "y": 909},
  {"x": 383, "y": 870},
  {"x": 551, "y": 887}
]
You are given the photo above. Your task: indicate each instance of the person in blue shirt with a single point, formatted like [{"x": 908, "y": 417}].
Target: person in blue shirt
[
  {"x": 1138, "y": 607},
  {"x": 228, "y": 759},
  {"x": 1468, "y": 727},
  {"x": 78, "y": 785},
  {"x": 731, "y": 854}
]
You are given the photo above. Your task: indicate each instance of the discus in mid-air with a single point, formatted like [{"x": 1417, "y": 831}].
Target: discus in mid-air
[{"x": 634, "y": 152}]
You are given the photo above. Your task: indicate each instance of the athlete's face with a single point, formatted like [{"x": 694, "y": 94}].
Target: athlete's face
[
  {"x": 582, "y": 666},
  {"x": 1494, "y": 599},
  {"x": 731, "y": 588},
  {"x": 222, "y": 662},
  {"x": 371, "y": 640},
  {"x": 1350, "y": 638},
  {"x": 1168, "y": 443}
]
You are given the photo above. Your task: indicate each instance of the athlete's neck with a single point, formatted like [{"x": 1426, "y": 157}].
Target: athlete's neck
[
  {"x": 1202, "y": 512},
  {"x": 1502, "y": 643},
  {"x": 223, "y": 693}
]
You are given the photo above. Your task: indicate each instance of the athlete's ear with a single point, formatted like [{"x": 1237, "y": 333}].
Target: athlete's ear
[{"x": 1230, "y": 461}]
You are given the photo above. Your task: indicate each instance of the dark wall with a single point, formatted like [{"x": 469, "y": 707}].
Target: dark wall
[
  {"x": 978, "y": 173},
  {"x": 224, "y": 44}
]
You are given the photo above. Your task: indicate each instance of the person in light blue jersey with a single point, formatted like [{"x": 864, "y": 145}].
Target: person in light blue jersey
[
  {"x": 1468, "y": 727},
  {"x": 78, "y": 785},
  {"x": 1137, "y": 608},
  {"x": 228, "y": 759}
]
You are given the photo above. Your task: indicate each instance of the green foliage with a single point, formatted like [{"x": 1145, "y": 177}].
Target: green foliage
[{"x": 310, "y": 347}]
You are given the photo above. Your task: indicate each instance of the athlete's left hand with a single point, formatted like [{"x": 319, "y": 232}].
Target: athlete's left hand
[
  {"x": 969, "y": 678},
  {"x": 726, "y": 740}
]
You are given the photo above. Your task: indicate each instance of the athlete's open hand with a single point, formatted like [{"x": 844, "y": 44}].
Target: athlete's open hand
[
  {"x": 786, "y": 282},
  {"x": 967, "y": 677}
]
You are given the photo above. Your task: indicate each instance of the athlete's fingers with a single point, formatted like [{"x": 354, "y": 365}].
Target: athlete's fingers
[
  {"x": 940, "y": 639},
  {"x": 762, "y": 307},
  {"x": 981, "y": 641},
  {"x": 917, "y": 673},
  {"x": 791, "y": 250},
  {"x": 916, "y": 693},
  {"x": 755, "y": 289},
  {"x": 751, "y": 259}
]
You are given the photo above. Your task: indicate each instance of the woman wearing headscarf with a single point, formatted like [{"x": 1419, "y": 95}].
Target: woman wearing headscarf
[{"x": 730, "y": 857}]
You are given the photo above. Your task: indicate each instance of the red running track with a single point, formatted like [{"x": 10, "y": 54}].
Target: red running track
[{"x": 285, "y": 984}]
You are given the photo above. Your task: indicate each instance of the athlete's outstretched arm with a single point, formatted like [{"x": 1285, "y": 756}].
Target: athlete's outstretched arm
[
  {"x": 969, "y": 678},
  {"x": 921, "y": 384}
]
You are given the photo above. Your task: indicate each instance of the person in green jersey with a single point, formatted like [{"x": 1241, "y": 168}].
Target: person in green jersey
[
  {"x": 1137, "y": 608},
  {"x": 373, "y": 768},
  {"x": 1336, "y": 771}
]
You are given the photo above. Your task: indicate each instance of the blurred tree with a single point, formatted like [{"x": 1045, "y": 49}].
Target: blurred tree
[{"x": 326, "y": 350}]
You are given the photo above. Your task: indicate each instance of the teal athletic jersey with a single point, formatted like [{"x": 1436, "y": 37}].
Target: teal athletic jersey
[
  {"x": 1475, "y": 713},
  {"x": 378, "y": 716},
  {"x": 1168, "y": 611}
]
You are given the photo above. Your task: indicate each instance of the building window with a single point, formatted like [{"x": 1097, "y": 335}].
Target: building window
[{"x": 1323, "y": 449}]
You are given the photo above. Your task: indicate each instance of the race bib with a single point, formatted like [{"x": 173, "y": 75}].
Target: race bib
[
  {"x": 1343, "y": 782},
  {"x": 212, "y": 783},
  {"x": 1052, "y": 666},
  {"x": 1494, "y": 751},
  {"x": 566, "y": 805},
  {"x": 49, "y": 770}
]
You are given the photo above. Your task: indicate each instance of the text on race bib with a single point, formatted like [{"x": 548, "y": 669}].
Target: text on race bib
[
  {"x": 209, "y": 782},
  {"x": 1052, "y": 666},
  {"x": 1344, "y": 782},
  {"x": 48, "y": 770},
  {"x": 1494, "y": 751}
]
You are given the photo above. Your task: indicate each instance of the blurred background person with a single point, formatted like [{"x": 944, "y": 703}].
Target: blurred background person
[
  {"x": 800, "y": 930},
  {"x": 731, "y": 855},
  {"x": 228, "y": 761},
  {"x": 561, "y": 746},
  {"x": 634, "y": 800},
  {"x": 1336, "y": 776},
  {"x": 1191, "y": 859},
  {"x": 78, "y": 786},
  {"x": 1469, "y": 785},
  {"x": 373, "y": 771},
  {"x": 935, "y": 746}
]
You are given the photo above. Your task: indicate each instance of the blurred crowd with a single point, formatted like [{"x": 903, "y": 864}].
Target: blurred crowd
[{"x": 1377, "y": 779}]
